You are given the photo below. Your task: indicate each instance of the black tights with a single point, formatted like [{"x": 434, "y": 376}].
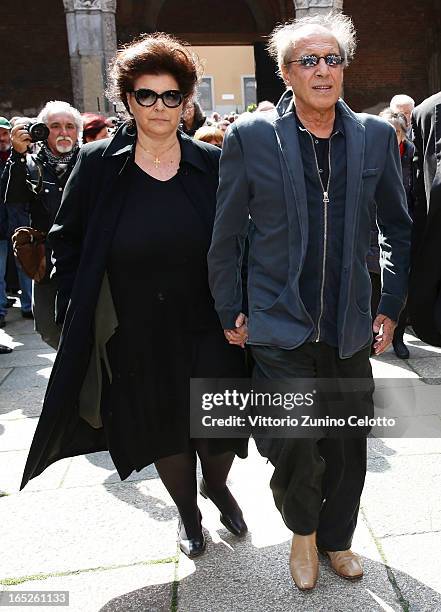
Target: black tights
[{"x": 178, "y": 473}]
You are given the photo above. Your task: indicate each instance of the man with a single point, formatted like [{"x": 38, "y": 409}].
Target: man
[
  {"x": 5, "y": 145},
  {"x": 402, "y": 103},
  {"x": 17, "y": 216},
  {"x": 38, "y": 180},
  {"x": 425, "y": 280},
  {"x": 303, "y": 179}
]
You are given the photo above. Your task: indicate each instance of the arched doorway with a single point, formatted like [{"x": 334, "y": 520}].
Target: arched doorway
[{"x": 214, "y": 23}]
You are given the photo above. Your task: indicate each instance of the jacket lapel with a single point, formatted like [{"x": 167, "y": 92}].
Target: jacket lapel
[
  {"x": 355, "y": 147},
  {"x": 289, "y": 146}
]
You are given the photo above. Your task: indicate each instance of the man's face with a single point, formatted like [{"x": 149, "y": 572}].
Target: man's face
[
  {"x": 319, "y": 87},
  {"x": 63, "y": 133},
  {"x": 5, "y": 139},
  {"x": 406, "y": 109}
]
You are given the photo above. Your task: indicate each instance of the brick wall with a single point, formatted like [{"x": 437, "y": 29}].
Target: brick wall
[
  {"x": 35, "y": 64},
  {"x": 393, "y": 51}
]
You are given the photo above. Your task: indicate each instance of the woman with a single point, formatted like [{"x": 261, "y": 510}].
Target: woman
[
  {"x": 407, "y": 149},
  {"x": 137, "y": 215},
  {"x": 95, "y": 127},
  {"x": 192, "y": 119}
]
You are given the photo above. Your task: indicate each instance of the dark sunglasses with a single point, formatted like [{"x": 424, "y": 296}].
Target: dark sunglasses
[
  {"x": 147, "y": 97},
  {"x": 309, "y": 61}
]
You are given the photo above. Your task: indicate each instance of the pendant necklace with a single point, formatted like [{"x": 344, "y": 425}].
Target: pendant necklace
[{"x": 157, "y": 161}]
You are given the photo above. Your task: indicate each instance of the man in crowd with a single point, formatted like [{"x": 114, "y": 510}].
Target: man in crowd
[
  {"x": 17, "y": 216},
  {"x": 402, "y": 103},
  {"x": 424, "y": 290},
  {"x": 299, "y": 183},
  {"x": 38, "y": 179},
  {"x": 5, "y": 146}
]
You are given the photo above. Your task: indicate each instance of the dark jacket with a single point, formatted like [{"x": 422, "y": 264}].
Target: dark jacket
[
  {"x": 3, "y": 210},
  {"x": 261, "y": 175},
  {"x": 373, "y": 257},
  {"x": 29, "y": 182},
  {"x": 425, "y": 279},
  {"x": 81, "y": 237}
]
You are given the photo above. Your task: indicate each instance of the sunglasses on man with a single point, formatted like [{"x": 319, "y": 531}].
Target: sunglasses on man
[
  {"x": 147, "y": 97},
  {"x": 309, "y": 61}
]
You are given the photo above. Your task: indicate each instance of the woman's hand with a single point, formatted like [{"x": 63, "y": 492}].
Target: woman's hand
[{"x": 239, "y": 335}]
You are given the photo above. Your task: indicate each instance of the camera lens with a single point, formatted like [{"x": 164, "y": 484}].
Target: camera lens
[{"x": 38, "y": 132}]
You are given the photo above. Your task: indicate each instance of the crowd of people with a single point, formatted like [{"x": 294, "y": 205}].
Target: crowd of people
[{"x": 258, "y": 257}]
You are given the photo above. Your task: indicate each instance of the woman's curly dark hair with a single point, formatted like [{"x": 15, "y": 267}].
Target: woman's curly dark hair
[{"x": 157, "y": 53}]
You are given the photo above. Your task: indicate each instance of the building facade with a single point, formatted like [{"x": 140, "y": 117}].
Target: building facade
[{"x": 59, "y": 49}]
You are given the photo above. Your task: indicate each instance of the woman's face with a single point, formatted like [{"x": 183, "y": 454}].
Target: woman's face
[{"x": 157, "y": 121}]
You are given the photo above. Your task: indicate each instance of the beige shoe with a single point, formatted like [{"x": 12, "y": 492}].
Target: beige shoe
[
  {"x": 303, "y": 561},
  {"x": 346, "y": 564}
]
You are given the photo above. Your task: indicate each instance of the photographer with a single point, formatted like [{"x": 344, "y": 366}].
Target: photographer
[{"x": 38, "y": 179}]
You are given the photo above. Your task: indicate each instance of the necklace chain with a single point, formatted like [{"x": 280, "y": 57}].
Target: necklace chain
[{"x": 157, "y": 161}]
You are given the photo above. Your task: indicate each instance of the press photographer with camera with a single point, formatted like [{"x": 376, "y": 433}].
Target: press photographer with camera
[{"x": 38, "y": 179}]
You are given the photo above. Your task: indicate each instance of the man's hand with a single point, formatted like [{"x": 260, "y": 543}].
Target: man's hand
[
  {"x": 238, "y": 335},
  {"x": 384, "y": 328},
  {"x": 20, "y": 139}
]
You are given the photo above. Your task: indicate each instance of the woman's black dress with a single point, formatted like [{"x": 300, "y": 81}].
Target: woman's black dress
[{"x": 168, "y": 330}]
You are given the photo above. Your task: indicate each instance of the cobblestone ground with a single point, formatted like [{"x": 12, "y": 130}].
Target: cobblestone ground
[{"x": 112, "y": 544}]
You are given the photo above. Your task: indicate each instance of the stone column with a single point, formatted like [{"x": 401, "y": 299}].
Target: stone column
[
  {"x": 315, "y": 7},
  {"x": 91, "y": 35}
]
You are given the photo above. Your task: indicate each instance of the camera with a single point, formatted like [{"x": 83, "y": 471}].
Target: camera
[{"x": 37, "y": 131}]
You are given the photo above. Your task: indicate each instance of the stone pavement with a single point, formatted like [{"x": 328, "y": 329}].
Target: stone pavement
[{"x": 112, "y": 545}]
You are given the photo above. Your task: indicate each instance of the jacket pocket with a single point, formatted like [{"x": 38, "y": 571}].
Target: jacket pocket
[{"x": 369, "y": 172}]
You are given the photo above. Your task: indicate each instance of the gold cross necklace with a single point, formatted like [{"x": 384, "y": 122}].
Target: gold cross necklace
[{"x": 157, "y": 161}]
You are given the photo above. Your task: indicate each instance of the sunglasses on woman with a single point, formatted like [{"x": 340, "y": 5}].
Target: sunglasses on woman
[
  {"x": 147, "y": 97},
  {"x": 309, "y": 61}
]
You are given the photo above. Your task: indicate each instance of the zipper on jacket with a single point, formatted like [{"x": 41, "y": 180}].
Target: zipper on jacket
[{"x": 325, "y": 222}]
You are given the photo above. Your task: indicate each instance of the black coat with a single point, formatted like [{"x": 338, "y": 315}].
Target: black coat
[
  {"x": 425, "y": 280},
  {"x": 81, "y": 237}
]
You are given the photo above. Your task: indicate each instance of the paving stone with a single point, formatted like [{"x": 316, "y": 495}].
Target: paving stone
[
  {"x": 16, "y": 324},
  {"x": 26, "y": 377},
  {"x": 242, "y": 577},
  {"x": 17, "y": 434},
  {"x": 21, "y": 403},
  {"x": 98, "y": 468},
  {"x": 387, "y": 447},
  {"x": 12, "y": 464},
  {"x": 27, "y": 341},
  {"x": 428, "y": 368},
  {"x": 70, "y": 529},
  {"x": 139, "y": 588},
  {"x": 30, "y": 357},
  {"x": 385, "y": 367},
  {"x": 411, "y": 558},
  {"x": 402, "y": 494},
  {"x": 4, "y": 372}
]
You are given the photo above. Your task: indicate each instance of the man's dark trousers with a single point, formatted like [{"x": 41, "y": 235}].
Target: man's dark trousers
[{"x": 317, "y": 483}]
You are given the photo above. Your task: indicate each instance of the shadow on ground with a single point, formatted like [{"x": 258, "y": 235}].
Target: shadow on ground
[{"x": 235, "y": 576}]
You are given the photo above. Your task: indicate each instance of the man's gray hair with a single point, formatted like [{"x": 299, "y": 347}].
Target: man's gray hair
[
  {"x": 401, "y": 99},
  {"x": 283, "y": 37},
  {"x": 58, "y": 106}
]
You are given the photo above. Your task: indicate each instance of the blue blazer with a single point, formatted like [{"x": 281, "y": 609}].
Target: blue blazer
[{"x": 262, "y": 195}]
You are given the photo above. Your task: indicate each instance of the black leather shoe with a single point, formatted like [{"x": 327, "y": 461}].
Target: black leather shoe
[
  {"x": 192, "y": 547},
  {"x": 400, "y": 348},
  {"x": 232, "y": 520},
  {"x": 4, "y": 349}
]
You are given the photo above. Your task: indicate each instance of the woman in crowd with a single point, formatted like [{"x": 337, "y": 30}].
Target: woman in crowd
[
  {"x": 192, "y": 119},
  {"x": 407, "y": 149},
  {"x": 95, "y": 127},
  {"x": 138, "y": 213}
]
